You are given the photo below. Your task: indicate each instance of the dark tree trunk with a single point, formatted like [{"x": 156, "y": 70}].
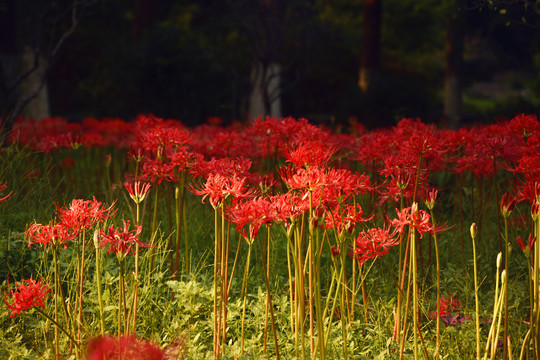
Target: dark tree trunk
[{"x": 371, "y": 44}]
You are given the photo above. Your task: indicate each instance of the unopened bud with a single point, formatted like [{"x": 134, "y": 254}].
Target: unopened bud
[
  {"x": 473, "y": 231},
  {"x": 499, "y": 260},
  {"x": 96, "y": 238}
]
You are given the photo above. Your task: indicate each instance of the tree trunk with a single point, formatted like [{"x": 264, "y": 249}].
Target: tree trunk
[
  {"x": 370, "y": 56},
  {"x": 452, "y": 76},
  {"x": 38, "y": 107},
  {"x": 265, "y": 98}
]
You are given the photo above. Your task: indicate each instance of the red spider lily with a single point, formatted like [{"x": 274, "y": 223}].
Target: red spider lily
[
  {"x": 83, "y": 214},
  {"x": 345, "y": 218},
  {"x": 507, "y": 205},
  {"x": 526, "y": 248},
  {"x": 488, "y": 149},
  {"x": 374, "y": 243},
  {"x": 29, "y": 294},
  {"x": 524, "y": 125},
  {"x": 2, "y": 188},
  {"x": 430, "y": 199},
  {"x": 311, "y": 153},
  {"x": 413, "y": 217},
  {"x": 346, "y": 183},
  {"x": 138, "y": 191},
  {"x": 158, "y": 169},
  {"x": 217, "y": 188},
  {"x": 271, "y": 134},
  {"x": 230, "y": 143},
  {"x": 121, "y": 241},
  {"x": 401, "y": 171},
  {"x": 156, "y": 135},
  {"x": 50, "y": 234},
  {"x": 308, "y": 179},
  {"x": 123, "y": 348},
  {"x": 286, "y": 207},
  {"x": 254, "y": 213},
  {"x": 224, "y": 167},
  {"x": 527, "y": 191}
]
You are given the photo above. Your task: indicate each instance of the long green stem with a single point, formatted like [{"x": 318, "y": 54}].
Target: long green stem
[
  {"x": 506, "y": 250},
  {"x": 269, "y": 297},
  {"x": 81, "y": 290},
  {"x": 98, "y": 284},
  {"x": 244, "y": 292},
  {"x": 438, "y": 275},
  {"x": 56, "y": 283},
  {"x": 343, "y": 312},
  {"x": 136, "y": 276},
  {"x": 215, "y": 285},
  {"x": 414, "y": 290},
  {"x": 476, "y": 300},
  {"x": 154, "y": 231},
  {"x": 121, "y": 296}
]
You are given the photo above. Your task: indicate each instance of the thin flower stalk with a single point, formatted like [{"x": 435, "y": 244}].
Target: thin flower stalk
[
  {"x": 535, "y": 319},
  {"x": 497, "y": 307},
  {"x": 266, "y": 269},
  {"x": 476, "y": 300},
  {"x": 430, "y": 203},
  {"x": 507, "y": 205},
  {"x": 98, "y": 282},
  {"x": 244, "y": 295}
]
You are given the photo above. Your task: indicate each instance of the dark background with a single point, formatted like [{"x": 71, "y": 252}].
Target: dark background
[{"x": 191, "y": 60}]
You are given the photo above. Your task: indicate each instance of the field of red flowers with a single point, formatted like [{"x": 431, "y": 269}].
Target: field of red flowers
[{"x": 275, "y": 238}]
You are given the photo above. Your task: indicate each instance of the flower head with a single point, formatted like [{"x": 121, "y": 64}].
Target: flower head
[
  {"x": 138, "y": 191},
  {"x": 374, "y": 243},
  {"x": 254, "y": 213},
  {"x": 120, "y": 240},
  {"x": 411, "y": 216},
  {"x": 49, "y": 234},
  {"x": 29, "y": 294},
  {"x": 526, "y": 248},
  {"x": 218, "y": 187},
  {"x": 508, "y": 203},
  {"x": 83, "y": 214}
]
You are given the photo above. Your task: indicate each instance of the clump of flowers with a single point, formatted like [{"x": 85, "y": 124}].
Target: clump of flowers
[
  {"x": 123, "y": 348},
  {"x": 29, "y": 294},
  {"x": 121, "y": 241}
]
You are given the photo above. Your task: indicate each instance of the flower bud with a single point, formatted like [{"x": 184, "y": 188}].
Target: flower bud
[
  {"x": 473, "y": 230},
  {"x": 431, "y": 198},
  {"x": 96, "y": 238},
  {"x": 534, "y": 210},
  {"x": 508, "y": 204},
  {"x": 499, "y": 260}
]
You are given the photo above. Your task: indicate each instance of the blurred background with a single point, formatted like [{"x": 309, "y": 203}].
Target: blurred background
[{"x": 452, "y": 62}]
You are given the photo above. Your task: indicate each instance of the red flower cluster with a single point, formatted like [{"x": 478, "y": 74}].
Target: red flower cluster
[
  {"x": 54, "y": 234},
  {"x": 29, "y": 294},
  {"x": 124, "y": 348},
  {"x": 84, "y": 214},
  {"x": 121, "y": 241},
  {"x": 374, "y": 243}
]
